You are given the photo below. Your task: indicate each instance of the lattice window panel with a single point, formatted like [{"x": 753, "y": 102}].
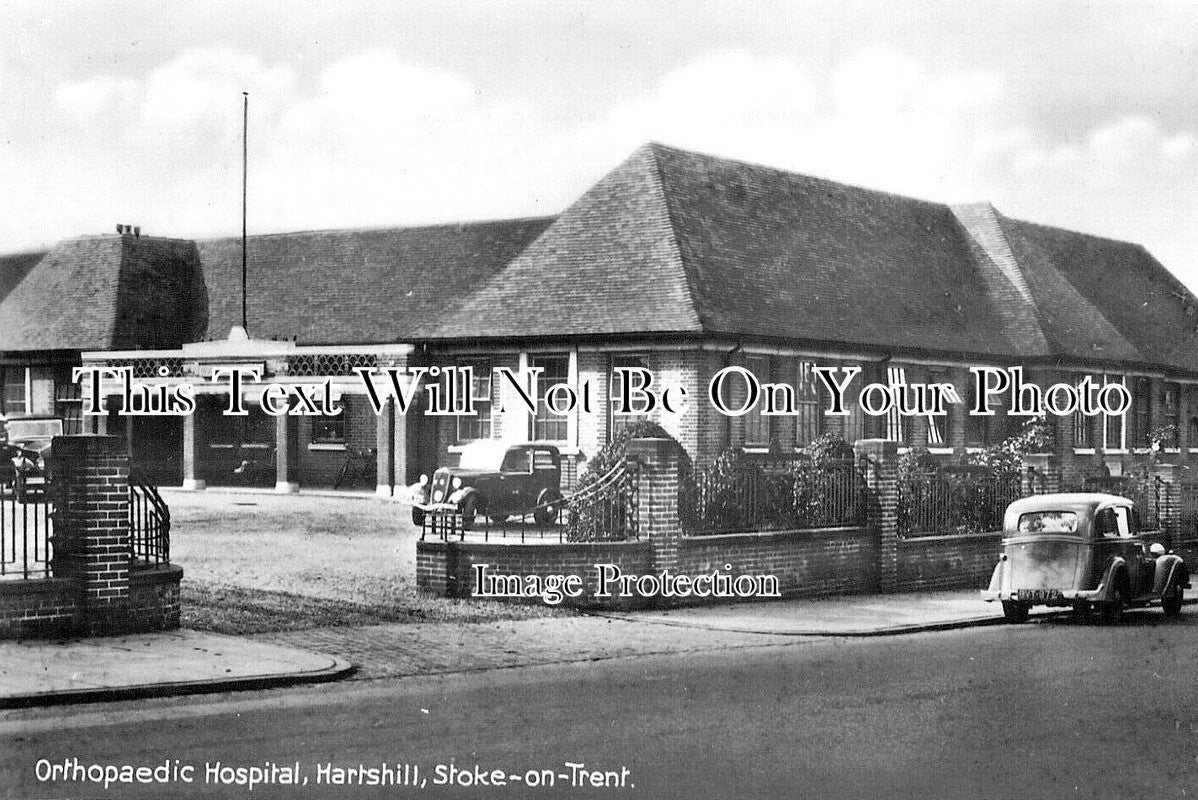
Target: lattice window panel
[
  {"x": 151, "y": 367},
  {"x": 328, "y": 364}
]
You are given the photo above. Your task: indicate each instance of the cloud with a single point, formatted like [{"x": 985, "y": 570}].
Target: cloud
[{"x": 374, "y": 138}]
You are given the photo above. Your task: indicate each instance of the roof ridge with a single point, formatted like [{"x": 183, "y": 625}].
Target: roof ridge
[
  {"x": 675, "y": 243},
  {"x": 992, "y": 251},
  {"x": 383, "y": 228},
  {"x": 656, "y": 146}
]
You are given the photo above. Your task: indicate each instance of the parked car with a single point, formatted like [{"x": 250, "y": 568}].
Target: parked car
[
  {"x": 497, "y": 479},
  {"x": 26, "y": 444},
  {"x": 1082, "y": 550}
]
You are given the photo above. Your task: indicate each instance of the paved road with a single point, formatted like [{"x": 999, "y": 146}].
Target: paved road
[{"x": 1053, "y": 709}]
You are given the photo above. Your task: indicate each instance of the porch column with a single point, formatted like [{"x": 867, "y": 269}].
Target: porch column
[
  {"x": 286, "y": 454},
  {"x": 385, "y": 467},
  {"x": 190, "y": 454}
]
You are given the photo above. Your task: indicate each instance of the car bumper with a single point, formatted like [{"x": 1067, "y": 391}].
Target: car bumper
[{"x": 1062, "y": 597}]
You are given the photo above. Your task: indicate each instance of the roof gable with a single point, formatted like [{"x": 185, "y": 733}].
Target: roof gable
[{"x": 609, "y": 264}]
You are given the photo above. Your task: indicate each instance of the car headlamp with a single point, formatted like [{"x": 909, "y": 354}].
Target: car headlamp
[
  {"x": 423, "y": 479},
  {"x": 457, "y": 482}
]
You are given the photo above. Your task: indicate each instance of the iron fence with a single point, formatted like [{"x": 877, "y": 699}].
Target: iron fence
[
  {"x": 741, "y": 495},
  {"x": 149, "y": 524},
  {"x": 955, "y": 500},
  {"x": 26, "y": 530},
  {"x": 605, "y": 509}
]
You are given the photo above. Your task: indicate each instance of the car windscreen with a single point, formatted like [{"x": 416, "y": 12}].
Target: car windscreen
[
  {"x": 482, "y": 456},
  {"x": 1048, "y": 522}
]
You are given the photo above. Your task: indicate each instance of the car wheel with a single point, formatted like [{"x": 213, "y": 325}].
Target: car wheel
[
  {"x": 1015, "y": 612},
  {"x": 548, "y": 507},
  {"x": 1112, "y": 609},
  {"x": 1172, "y": 598},
  {"x": 468, "y": 510},
  {"x": 418, "y": 517}
]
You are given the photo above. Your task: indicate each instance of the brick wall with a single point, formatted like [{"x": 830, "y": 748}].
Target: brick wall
[
  {"x": 948, "y": 562},
  {"x": 447, "y": 568},
  {"x": 154, "y": 598},
  {"x": 807, "y": 563},
  {"x": 95, "y": 589},
  {"x": 42, "y": 607}
]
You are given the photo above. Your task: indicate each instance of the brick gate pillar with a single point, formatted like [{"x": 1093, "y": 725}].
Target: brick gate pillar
[
  {"x": 657, "y": 463},
  {"x": 881, "y": 475},
  {"x": 1041, "y": 474},
  {"x": 90, "y": 489},
  {"x": 1164, "y": 482}
]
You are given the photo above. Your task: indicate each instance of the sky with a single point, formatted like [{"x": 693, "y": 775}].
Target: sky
[{"x": 1077, "y": 114}]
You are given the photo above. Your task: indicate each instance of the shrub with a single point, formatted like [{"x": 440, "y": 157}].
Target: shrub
[{"x": 605, "y": 516}]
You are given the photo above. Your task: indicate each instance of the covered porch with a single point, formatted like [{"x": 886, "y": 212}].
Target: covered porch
[{"x": 352, "y": 449}]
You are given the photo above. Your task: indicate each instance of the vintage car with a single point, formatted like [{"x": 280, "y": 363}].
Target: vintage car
[
  {"x": 26, "y": 444},
  {"x": 1084, "y": 551},
  {"x": 497, "y": 479}
]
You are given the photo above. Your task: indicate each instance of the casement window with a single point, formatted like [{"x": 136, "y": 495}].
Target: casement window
[
  {"x": 480, "y": 424},
  {"x": 983, "y": 430},
  {"x": 1141, "y": 398},
  {"x": 939, "y": 432},
  {"x": 895, "y": 376},
  {"x": 809, "y": 418},
  {"x": 1114, "y": 429},
  {"x": 15, "y": 384},
  {"x": 1171, "y": 405},
  {"x": 615, "y": 386},
  {"x": 757, "y": 427},
  {"x": 327, "y": 430},
  {"x": 555, "y": 368},
  {"x": 68, "y": 403}
]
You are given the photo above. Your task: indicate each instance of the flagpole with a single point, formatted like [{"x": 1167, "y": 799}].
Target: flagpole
[{"x": 245, "y": 126}]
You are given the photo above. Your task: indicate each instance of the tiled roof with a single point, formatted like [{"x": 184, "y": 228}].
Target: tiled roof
[
  {"x": 689, "y": 243},
  {"x": 356, "y": 286},
  {"x": 105, "y": 292},
  {"x": 14, "y": 268},
  {"x": 668, "y": 243}
]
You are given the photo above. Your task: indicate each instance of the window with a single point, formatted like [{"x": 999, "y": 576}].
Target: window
[
  {"x": 985, "y": 430},
  {"x": 479, "y": 425},
  {"x": 615, "y": 386},
  {"x": 1114, "y": 429},
  {"x": 938, "y": 428},
  {"x": 1142, "y": 412},
  {"x": 68, "y": 403},
  {"x": 555, "y": 368},
  {"x": 325, "y": 430},
  {"x": 757, "y": 427},
  {"x": 809, "y": 416},
  {"x": 895, "y": 376},
  {"x": 16, "y": 390}
]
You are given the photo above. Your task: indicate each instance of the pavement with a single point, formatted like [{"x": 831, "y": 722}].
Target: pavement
[{"x": 47, "y": 672}]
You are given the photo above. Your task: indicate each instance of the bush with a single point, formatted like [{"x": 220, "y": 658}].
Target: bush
[{"x": 606, "y": 517}]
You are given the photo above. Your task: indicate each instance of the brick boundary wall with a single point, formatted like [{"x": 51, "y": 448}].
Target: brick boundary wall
[
  {"x": 948, "y": 562},
  {"x": 807, "y": 563},
  {"x": 851, "y": 560},
  {"x": 95, "y": 590},
  {"x": 447, "y": 568}
]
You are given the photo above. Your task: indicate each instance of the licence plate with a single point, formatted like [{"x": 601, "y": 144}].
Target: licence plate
[{"x": 1040, "y": 595}]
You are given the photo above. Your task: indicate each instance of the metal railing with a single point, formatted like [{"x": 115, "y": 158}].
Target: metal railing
[
  {"x": 607, "y": 509},
  {"x": 955, "y": 500},
  {"x": 149, "y": 524},
  {"x": 26, "y": 529},
  {"x": 741, "y": 495}
]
